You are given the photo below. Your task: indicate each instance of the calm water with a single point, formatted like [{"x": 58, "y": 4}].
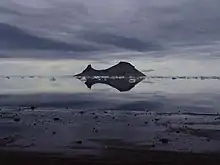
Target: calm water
[{"x": 51, "y": 84}]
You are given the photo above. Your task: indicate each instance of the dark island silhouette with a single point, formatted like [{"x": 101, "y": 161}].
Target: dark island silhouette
[
  {"x": 122, "y": 76},
  {"x": 122, "y": 69}
]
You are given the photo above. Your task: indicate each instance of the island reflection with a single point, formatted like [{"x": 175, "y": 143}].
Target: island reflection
[{"x": 121, "y": 84}]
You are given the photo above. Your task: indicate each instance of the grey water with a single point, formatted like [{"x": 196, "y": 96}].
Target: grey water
[{"x": 51, "y": 84}]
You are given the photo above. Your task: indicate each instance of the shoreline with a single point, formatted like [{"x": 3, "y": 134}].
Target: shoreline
[{"x": 115, "y": 156}]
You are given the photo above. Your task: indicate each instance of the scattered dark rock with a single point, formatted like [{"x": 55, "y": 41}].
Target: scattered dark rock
[
  {"x": 7, "y": 140},
  {"x": 53, "y": 79},
  {"x": 32, "y": 108},
  {"x": 54, "y": 132},
  {"x": 96, "y": 117},
  {"x": 153, "y": 145},
  {"x": 56, "y": 119},
  {"x": 81, "y": 112},
  {"x": 208, "y": 140},
  {"x": 156, "y": 119},
  {"x": 164, "y": 141},
  {"x": 79, "y": 142},
  {"x": 177, "y": 131},
  {"x": 145, "y": 122},
  {"x": 95, "y": 130},
  {"x": 17, "y": 119}
]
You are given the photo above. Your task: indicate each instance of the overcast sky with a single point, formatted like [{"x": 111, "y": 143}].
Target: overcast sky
[{"x": 85, "y": 28}]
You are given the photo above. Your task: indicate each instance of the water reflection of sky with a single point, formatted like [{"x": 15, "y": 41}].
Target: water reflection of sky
[
  {"x": 63, "y": 70},
  {"x": 150, "y": 94}
]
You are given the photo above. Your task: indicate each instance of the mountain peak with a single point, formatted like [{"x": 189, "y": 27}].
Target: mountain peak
[
  {"x": 89, "y": 67},
  {"x": 124, "y": 63}
]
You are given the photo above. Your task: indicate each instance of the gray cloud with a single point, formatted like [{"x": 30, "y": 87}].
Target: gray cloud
[
  {"x": 4, "y": 10},
  {"x": 118, "y": 25},
  {"x": 15, "y": 38},
  {"x": 121, "y": 41}
]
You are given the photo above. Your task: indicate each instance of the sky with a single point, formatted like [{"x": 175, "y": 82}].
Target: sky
[
  {"x": 82, "y": 27},
  {"x": 101, "y": 30}
]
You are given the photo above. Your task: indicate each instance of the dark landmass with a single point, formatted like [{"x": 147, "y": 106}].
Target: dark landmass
[{"x": 124, "y": 69}]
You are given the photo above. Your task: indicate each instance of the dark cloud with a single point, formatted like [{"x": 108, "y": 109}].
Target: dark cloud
[
  {"x": 17, "y": 39},
  {"x": 4, "y": 10},
  {"x": 121, "y": 41}
]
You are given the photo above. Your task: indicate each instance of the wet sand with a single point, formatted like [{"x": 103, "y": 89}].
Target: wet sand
[
  {"x": 112, "y": 157},
  {"x": 55, "y": 136}
]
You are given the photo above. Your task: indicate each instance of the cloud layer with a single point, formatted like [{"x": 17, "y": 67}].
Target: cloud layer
[{"x": 108, "y": 26}]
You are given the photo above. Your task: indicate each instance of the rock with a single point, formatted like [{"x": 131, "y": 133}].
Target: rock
[
  {"x": 95, "y": 130},
  {"x": 56, "y": 119},
  {"x": 17, "y": 119},
  {"x": 53, "y": 79},
  {"x": 79, "y": 142},
  {"x": 153, "y": 145},
  {"x": 164, "y": 141},
  {"x": 156, "y": 119}
]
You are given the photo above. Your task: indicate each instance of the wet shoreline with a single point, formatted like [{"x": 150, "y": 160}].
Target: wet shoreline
[{"x": 112, "y": 156}]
